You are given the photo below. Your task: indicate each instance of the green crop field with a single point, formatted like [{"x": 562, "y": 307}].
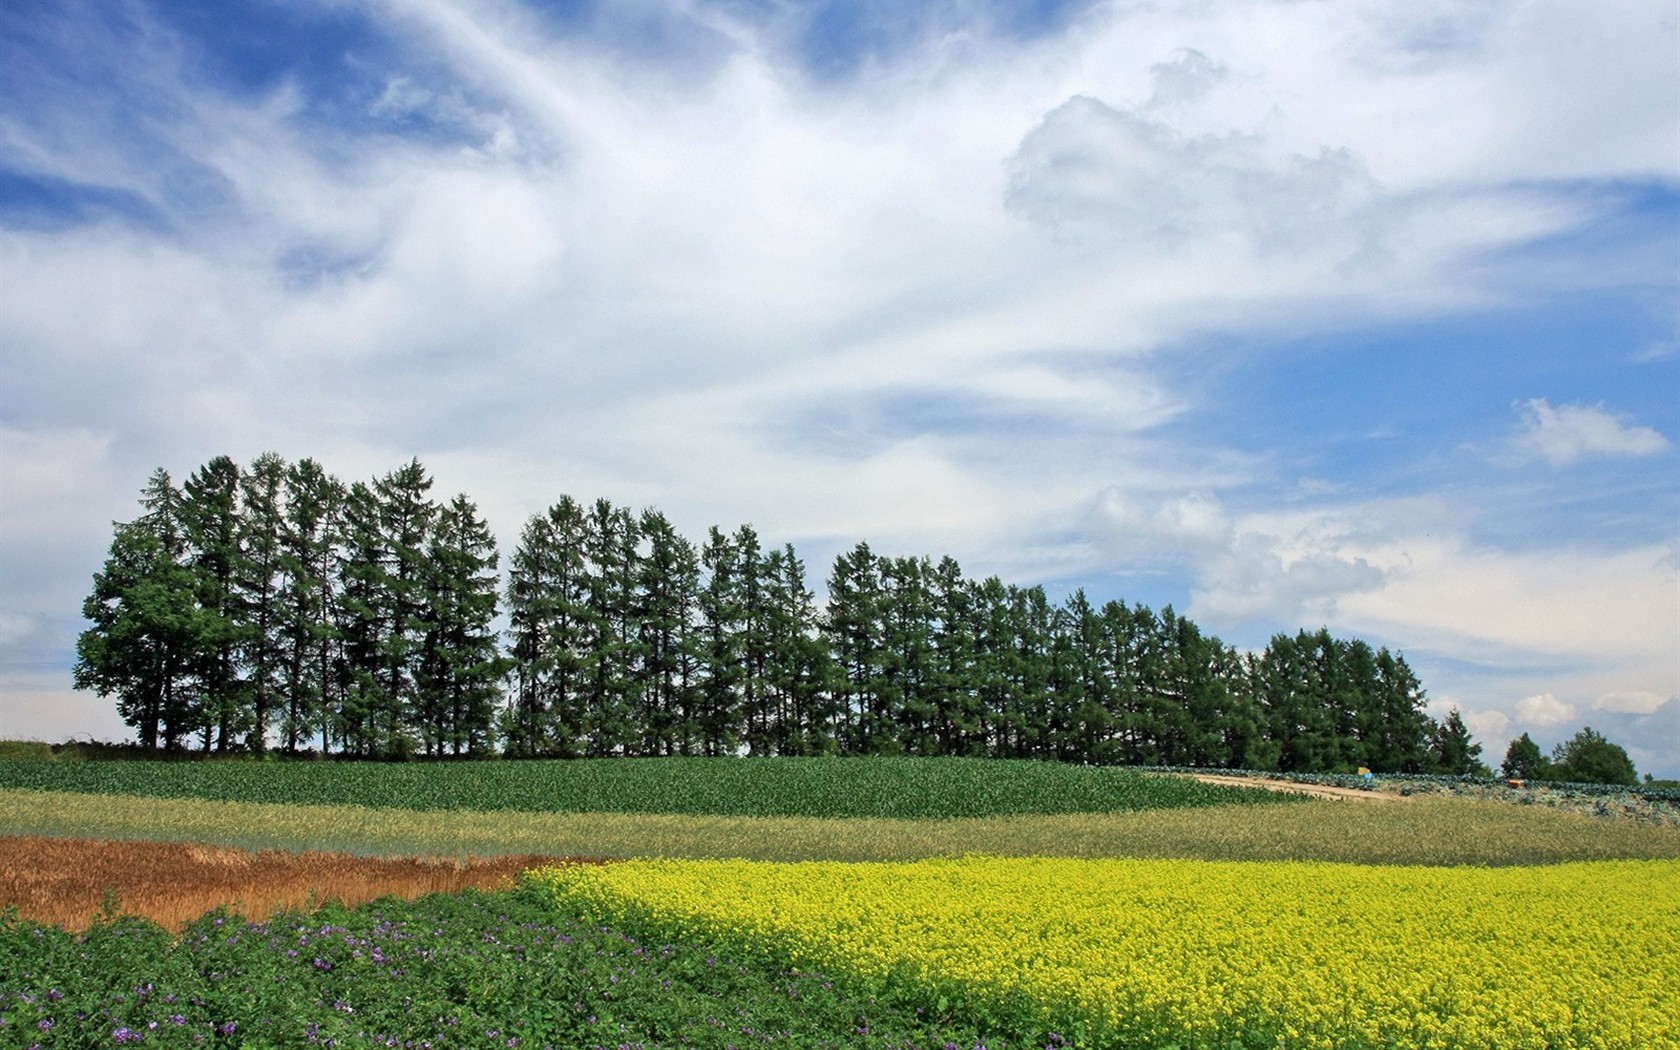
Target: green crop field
[
  {"x": 909, "y": 789},
  {"x": 527, "y": 968}
]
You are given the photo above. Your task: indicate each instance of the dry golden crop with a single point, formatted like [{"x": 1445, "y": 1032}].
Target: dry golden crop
[
  {"x": 66, "y": 882},
  {"x": 1148, "y": 953}
]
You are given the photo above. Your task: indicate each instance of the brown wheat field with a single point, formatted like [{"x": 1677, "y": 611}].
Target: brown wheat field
[{"x": 67, "y": 882}]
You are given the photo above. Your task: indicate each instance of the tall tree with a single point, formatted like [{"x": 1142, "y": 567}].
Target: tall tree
[
  {"x": 460, "y": 668},
  {"x": 612, "y": 657},
  {"x": 722, "y": 626},
  {"x": 668, "y": 586},
  {"x": 959, "y": 721},
  {"x": 548, "y": 595},
  {"x": 257, "y": 589},
  {"x": 306, "y": 637},
  {"x": 852, "y": 626},
  {"x": 150, "y": 639},
  {"x": 210, "y": 499},
  {"x": 796, "y": 673}
]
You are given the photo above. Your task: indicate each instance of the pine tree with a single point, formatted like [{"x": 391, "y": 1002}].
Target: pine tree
[
  {"x": 611, "y": 650},
  {"x": 959, "y": 722},
  {"x": 852, "y": 627},
  {"x": 210, "y": 500},
  {"x": 460, "y": 670},
  {"x": 548, "y": 607},
  {"x": 1454, "y": 752},
  {"x": 796, "y": 673},
  {"x": 722, "y": 626},
  {"x": 257, "y": 587},
  {"x": 668, "y": 585},
  {"x": 306, "y": 636}
]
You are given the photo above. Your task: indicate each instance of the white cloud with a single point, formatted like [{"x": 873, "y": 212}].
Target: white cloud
[
  {"x": 1630, "y": 702},
  {"x": 1091, "y": 172},
  {"x": 1543, "y": 709},
  {"x": 1487, "y": 725},
  {"x": 1568, "y": 433}
]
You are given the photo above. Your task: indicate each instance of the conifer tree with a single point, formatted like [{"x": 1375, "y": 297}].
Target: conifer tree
[
  {"x": 257, "y": 587},
  {"x": 460, "y": 667},
  {"x": 210, "y": 501},
  {"x": 306, "y": 636}
]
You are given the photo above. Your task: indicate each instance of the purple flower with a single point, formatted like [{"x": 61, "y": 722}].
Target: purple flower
[
  {"x": 44, "y": 1024},
  {"x": 126, "y": 1035},
  {"x": 227, "y": 1029}
]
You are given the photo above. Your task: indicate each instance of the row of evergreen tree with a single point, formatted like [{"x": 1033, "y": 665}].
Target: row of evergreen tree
[{"x": 275, "y": 604}]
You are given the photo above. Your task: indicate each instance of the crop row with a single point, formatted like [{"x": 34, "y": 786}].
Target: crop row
[
  {"x": 1147, "y": 954},
  {"x": 916, "y": 789}
]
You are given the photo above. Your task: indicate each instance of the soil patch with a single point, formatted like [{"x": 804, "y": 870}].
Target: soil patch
[{"x": 67, "y": 882}]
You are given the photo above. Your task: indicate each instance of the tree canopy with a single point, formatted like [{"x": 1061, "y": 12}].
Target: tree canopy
[{"x": 275, "y": 605}]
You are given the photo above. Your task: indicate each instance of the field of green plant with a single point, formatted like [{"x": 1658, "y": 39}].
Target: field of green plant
[
  {"x": 540, "y": 968},
  {"x": 467, "y": 970},
  {"x": 908, "y": 789}
]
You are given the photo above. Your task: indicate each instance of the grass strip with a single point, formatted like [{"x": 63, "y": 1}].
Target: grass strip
[{"x": 1432, "y": 831}]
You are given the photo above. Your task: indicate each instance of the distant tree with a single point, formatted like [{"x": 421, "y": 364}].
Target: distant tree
[
  {"x": 1455, "y": 753},
  {"x": 1589, "y": 758},
  {"x": 1524, "y": 761}
]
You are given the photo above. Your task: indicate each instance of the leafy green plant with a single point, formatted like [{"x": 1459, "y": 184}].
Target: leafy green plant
[{"x": 472, "y": 969}]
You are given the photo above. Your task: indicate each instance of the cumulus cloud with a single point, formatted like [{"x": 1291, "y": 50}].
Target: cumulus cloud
[
  {"x": 1568, "y": 433},
  {"x": 1090, "y": 171},
  {"x": 1487, "y": 725},
  {"x": 1543, "y": 709}
]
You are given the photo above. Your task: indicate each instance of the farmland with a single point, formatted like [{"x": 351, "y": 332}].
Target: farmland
[
  {"x": 819, "y": 906},
  {"x": 923, "y": 789}
]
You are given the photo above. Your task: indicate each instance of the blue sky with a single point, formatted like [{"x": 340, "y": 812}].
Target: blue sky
[{"x": 1361, "y": 313}]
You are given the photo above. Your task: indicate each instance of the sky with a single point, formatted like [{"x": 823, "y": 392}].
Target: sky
[{"x": 1287, "y": 313}]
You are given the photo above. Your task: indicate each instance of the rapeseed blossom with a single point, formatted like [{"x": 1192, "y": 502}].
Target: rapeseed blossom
[{"x": 1144, "y": 953}]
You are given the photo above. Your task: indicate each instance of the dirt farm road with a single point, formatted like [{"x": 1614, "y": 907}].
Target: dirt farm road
[{"x": 1316, "y": 790}]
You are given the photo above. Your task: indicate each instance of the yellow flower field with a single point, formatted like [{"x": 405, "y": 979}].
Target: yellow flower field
[{"x": 1141, "y": 953}]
